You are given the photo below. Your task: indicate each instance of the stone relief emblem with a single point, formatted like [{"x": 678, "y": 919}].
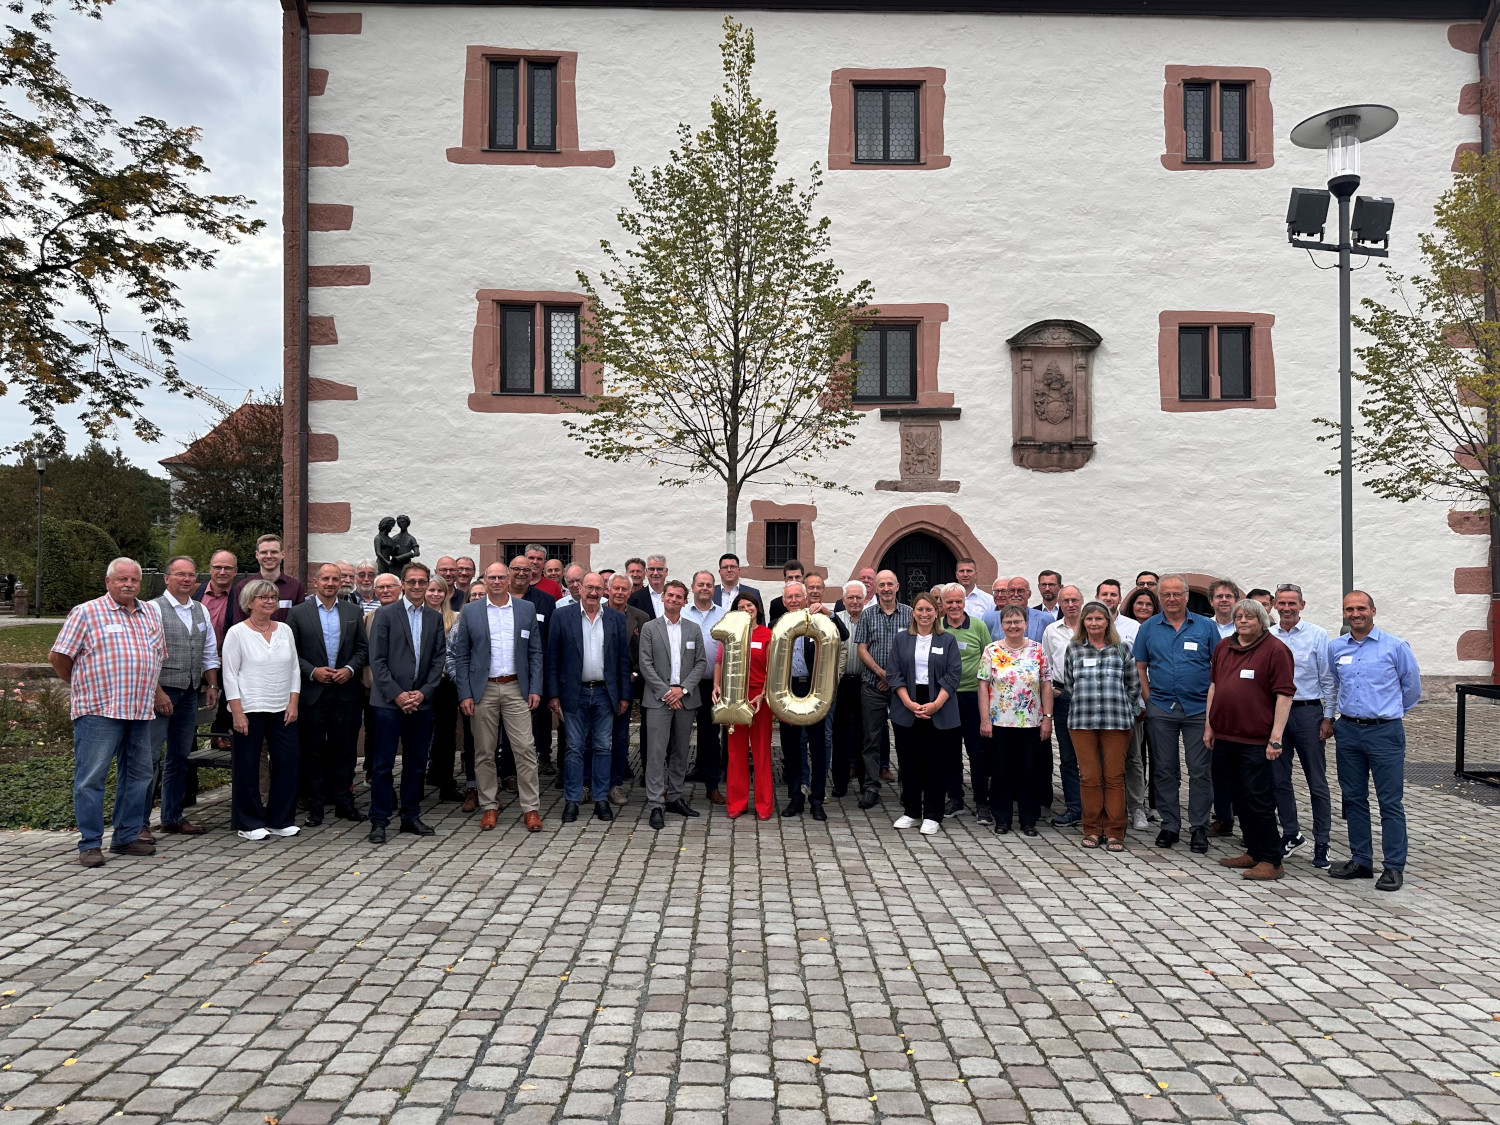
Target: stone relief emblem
[
  {"x": 1054, "y": 396},
  {"x": 921, "y": 451}
]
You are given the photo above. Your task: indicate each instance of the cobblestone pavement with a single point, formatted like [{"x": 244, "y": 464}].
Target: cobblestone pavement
[{"x": 784, "y": 971}]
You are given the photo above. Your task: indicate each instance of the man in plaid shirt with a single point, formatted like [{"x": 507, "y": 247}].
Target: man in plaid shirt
[
  {"x": 110, "y": 652},
  {"x": 875, "y": 635}
]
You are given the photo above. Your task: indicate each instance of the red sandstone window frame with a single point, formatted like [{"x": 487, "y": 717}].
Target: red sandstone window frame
[
  {"x": 931, "y": 102},
  {"x": 565, "y": 153},
  {"x": 763, "y": 512},
  {"x": 1262, "y": 361},
  {"x": 1259, "y": 125},
  {"x": 928, "y": 319},
  {"x": 487, "y": 396}
]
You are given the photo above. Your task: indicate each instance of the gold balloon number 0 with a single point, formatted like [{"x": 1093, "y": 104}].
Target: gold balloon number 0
[{"x": 733, "y": 632}]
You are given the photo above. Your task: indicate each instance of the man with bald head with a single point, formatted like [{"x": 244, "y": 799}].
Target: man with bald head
[
  {"x": 572, "y": 579},
  {"x": 874, "y": 636},
  {"x": 588, "y": 684}
]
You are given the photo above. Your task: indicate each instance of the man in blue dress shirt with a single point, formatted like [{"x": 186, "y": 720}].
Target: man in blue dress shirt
[{"x": 1377, "y": 681}]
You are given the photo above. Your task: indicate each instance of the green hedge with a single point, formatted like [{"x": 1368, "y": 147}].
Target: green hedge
[{"x": 74, "y": 555}]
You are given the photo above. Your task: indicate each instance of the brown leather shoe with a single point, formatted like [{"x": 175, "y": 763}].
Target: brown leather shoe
[
  {"x": 185, "y": 827},
  {"x": 487, "y": 821},
  {"x": 533, "y": 821},
  {"x": 715, "y": 797},
  {"x": 146, "y": 836},
  {"x": 1237, "y": 861},
  {"x": 94, "y": 857},
  {"x": 887, "y": 774},
  {"x": 1219, "y": 828},
  {"x": 471, "y": 801},
  {"x": 1264, "y": 871}
]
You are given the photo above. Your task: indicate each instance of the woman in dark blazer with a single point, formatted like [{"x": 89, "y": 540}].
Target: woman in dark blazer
[{"x": 923, "y": 674}]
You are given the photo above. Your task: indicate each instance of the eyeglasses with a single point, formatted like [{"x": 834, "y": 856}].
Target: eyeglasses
[
  {"x": 1293, "y": 587},
  {"x": 265, "y": 598}
]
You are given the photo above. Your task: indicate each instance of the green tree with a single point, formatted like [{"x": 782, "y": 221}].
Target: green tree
[
  {"x": 726, "y": 338},
  {"x": 1431, "y": 374},
  {"x": 230, "y": 478},
  {"x": 92, "y": 212}
]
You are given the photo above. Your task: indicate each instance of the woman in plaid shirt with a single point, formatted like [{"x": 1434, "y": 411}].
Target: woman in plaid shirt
[{"x": 1099, "y": 672}]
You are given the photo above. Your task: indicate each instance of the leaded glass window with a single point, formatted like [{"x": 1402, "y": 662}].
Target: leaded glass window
[
  {"x": 517, "y": 357},
  {"x": 1196, "y": 97},
  {"x": 1192, "y": 363},
  {"x": 886, "y": 357},
  {"x": 504, "y": 102},
  {"x": 541, "y": 84},
  {"x": 1234, "y": 363},
  {"x": 1232, "y": 122},
  {"x": 886, "y": 129},
  {"x": 562, "y": 351}
]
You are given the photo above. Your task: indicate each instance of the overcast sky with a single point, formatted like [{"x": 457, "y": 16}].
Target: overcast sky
[{"x": 214, "y": 64}]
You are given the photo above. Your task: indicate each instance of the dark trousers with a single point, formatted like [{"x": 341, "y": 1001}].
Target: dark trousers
[
  {"x": 413, "y": 732},
  {"x": 875, "y": 706},
  {"x": 794, "y": 740},
  {"x": 171, "y": 743},
  {"x": 924, "y": 754},
  {"x": 848, "y": 735},
  {"x": 1248, "y": 770},
  {"x": 979, "y": 752},
  {"x": 711, "y": 745},
  {"x": 1302, "y": 742},
  {"x": 619, "y": 758},
  {"x": 1366, "y": 754},
  {"x": 280, "y": 809},
  {"x": 445, "y": 724},
  {"x": 541, "y": 733},
  {"x": 1224, "y": 781},
  {"x": 1017, "y": 762},
  {"x": 327, "y": 730},
  {"x": 1067, "y": 759}
]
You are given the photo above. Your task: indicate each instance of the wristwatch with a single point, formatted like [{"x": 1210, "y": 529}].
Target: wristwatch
[{"x": 1275, "y": 746}]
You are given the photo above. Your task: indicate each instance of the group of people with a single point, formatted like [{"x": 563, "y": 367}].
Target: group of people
[{"x": 1128, "y": 687}]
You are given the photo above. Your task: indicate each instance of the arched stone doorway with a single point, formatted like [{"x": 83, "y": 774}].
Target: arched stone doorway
[
  {"x": 936, "y": 522},
  {"x": 920, "y": 562}
]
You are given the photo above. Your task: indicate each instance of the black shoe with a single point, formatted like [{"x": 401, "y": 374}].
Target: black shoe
[
  {"x": 377, "y": 833},
  {"x": 953, "y": 807},
  {"x": 840, "y": 791},
  {"x": 1351, "y": 870},
  {"x": 1067, "y": 820},
  {"x": 603, "y": 811},
  {"x": 1292, "y": 843},
  {"x": 313, "y": 819},
  {"x": 869, "y": 798},
  {"x": 451, "y": 793},
  {"x": 416, "y": 827},
  {"x": 983, "y": 814},
  {"x": 1200, "y": 841},
  {"x": 1390, "y": 880},
  {"x": 793, "y": 807},
  {"x": 658, "y": 821},
  {"x": 545, "y": 768},
  {"x": 1002, "y": 830},
  {"x": 1165, "y": 839},
  {"x": 570, "y": 812},
  {"x": 817, "y": 810},
  {"x": 348, "y": 812},
  {"x": 681, "y": 808},
  {"x": 1028, "y": 830},
  {"x": 694, "y": 775},
  {"x": 135, "y": 847}
]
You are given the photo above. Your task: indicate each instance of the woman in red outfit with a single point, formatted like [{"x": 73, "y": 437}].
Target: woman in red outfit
[{"x": 755, "y": 738}]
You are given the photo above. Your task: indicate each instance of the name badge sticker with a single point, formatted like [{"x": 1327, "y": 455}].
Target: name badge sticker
[
  {"x": 937, "y": 652},
  {"x": 755, "y": 644},
  {"x": 200, "y": 626},
  {"x": 1247, "y": 673},
  {"x": 1189, "y": 646},
  {"x": 1346, "y": 659},
  {"x": 963, "y": 646},
  {"x": 112, "y": 629},
  {"x": 690, "y": 644},
  {"x": 1090, "y": 662},
  {"x": 525, "y": 634},
  {"x": 285, "y": 603},
  {"x": 541, "y": 617}
]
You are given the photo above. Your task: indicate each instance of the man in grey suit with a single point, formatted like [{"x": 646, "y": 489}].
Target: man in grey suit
[
  {"x": 672, "y": 665},
  {"x": 407, "y": 650},
  {"x": 497, "y": 665}
]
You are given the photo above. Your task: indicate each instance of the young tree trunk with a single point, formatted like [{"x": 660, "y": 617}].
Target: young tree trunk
[{"x": 731, "y": 516}]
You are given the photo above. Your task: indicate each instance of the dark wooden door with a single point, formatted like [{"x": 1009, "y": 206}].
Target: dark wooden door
[{"x": 919, "y": 562}]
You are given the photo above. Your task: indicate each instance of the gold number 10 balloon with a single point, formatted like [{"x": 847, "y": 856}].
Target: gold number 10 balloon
[{"x": 733, "y": 632}]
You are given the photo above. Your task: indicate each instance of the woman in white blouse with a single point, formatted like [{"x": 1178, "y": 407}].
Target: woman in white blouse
[{"x": 261, "y": 682}]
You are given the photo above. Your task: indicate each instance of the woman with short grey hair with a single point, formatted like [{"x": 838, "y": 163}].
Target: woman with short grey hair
[{"x": 262, "y": 680}]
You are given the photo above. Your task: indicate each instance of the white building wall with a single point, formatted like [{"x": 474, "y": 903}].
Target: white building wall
[{"x": 1056, "y": 206}]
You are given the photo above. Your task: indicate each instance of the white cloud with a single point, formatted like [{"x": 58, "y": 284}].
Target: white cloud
[{"x": 215, "y": 64}]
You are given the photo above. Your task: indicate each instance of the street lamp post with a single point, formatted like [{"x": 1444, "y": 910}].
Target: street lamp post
[
  {"x": 1340, "y": 132},
  {"x": 36, "y": 584}
]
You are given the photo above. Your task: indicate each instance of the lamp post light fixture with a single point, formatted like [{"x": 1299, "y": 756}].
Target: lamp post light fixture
[
  {"x": 36, "y": 583},
  {"x": 1341, "y": 132}
]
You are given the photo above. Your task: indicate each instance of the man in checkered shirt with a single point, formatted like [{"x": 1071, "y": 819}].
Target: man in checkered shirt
[{"x": 110, "y": 652}]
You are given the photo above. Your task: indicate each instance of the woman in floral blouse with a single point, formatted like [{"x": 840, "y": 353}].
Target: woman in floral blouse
[
  {"x": 1100, "y": 675},
  {"x": 1015, "y": 712}
]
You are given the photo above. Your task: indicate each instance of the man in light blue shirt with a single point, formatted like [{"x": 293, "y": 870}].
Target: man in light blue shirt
[
  {"x": 1308, "y": 726},
  {"x": 713, "y": 743},
  {"x": 1377, "y": 681}
]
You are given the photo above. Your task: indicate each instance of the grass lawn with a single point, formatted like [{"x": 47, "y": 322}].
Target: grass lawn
[
  {"x": 37, "y": 792},
  {"x": 26, "y": 644}
]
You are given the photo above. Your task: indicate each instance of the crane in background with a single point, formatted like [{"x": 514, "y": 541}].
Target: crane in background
[{"x": 194, "y": 391}]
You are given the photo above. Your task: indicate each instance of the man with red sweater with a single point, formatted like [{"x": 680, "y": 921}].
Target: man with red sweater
[{"x": 1252, "y": 680}]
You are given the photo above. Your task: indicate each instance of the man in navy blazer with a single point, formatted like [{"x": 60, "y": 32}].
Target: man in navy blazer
[
  {"x": 588, "y": 684},
  {"x": 497, "y": 665},
  {"x": 729, "y": 586},
  {"x": 407, "y": 650}
]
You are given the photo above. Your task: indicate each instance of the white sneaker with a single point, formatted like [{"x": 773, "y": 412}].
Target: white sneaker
[
  {"x": 931, "y": 828},
  {"x": 1140, "y": 823},
  {"x": 289, "y": 830},
  {"x": 256, "y": 834},
  {"x": 905, "y": 822}
]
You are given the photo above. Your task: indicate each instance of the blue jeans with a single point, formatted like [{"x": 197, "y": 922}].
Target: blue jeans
[
  {"x": 1300, "y": 739},
  {"x": 97, "y": 741},
  {"x": 413, "y": 732},
  {"x": 804, "y": 749},
  {"x": 1165, "y": 728},
  {"x": 176, "y": 732},
  {"x": 619, "y": 756},
  {"x": 1373, "y": 753},
  {"x": 590, "y": 732},
  {"x": 1067, "y": 760}
]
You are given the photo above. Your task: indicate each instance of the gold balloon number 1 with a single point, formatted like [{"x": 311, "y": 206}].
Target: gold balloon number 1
[{"x": 733, "y": 632}]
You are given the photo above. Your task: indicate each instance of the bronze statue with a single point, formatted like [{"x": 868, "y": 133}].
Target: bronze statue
[{"x": 394, "y": 552}]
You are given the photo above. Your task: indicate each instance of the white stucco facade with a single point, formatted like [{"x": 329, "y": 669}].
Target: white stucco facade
[{"x": 1056, "y": 205}]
